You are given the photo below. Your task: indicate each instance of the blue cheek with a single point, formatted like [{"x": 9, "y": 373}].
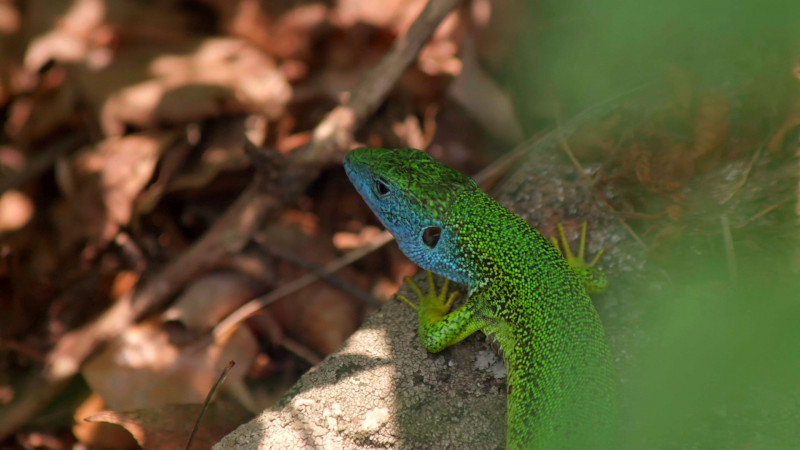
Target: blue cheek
[
  {"x": 435, "y": 260},
  {"x": 406, "y": 236},
  {"x": 416, "y": 253}
]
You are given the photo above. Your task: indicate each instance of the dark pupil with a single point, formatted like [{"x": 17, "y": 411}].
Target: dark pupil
[
  {"x": 381, "y": 188},
  {"x": 431, "y": 235}
]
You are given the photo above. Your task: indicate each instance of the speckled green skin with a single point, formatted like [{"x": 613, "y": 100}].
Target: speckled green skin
[{"x": 522, "y": 292}]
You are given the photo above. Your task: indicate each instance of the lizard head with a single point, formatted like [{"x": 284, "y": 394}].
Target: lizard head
[{"x": 412, "y": 194}]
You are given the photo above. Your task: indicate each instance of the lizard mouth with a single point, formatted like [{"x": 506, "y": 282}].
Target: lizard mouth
[
  {"x": 348, "y": 165},
  {"x": 352, "y": 172}
]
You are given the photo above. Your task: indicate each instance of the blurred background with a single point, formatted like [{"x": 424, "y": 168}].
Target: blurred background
[{"x": 141, "y": 142}]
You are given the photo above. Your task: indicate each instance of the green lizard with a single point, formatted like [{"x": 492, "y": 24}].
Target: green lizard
[{"x": 521, "y": 291}]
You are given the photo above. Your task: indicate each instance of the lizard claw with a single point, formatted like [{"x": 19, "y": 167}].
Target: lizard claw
[
  {"x": 441, "y": 301},
  {"x": 593, "y": 279}
]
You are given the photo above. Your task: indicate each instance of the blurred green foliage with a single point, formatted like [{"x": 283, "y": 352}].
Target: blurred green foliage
[
  {"x": 717, "y": 350},
  {"x": 721, "y": 363},
  {"x": 575, "y": 53}
]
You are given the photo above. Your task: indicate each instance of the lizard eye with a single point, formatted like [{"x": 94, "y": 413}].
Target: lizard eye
[
  {"x": 380, "y": 187},
  {"x": 431, "y": 235}
]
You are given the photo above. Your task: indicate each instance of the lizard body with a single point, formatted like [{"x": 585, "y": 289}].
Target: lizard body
[{"x": 521, "y": 292}]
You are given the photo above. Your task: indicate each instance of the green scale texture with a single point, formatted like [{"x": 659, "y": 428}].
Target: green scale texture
[{"x": 522, "y": 293}]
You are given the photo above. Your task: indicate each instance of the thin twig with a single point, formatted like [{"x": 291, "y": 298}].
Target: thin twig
[
  {"x": 243, "y": 312},
  {"x": 589, "y": 182},
  {"x": 321, "y": 273},
  {"x": 758, "y": 215},
  {"x": 210, "y": 396},
  {"x": 310, "y": 356},
  {"x": 745, "y": 175},
  {"x": 337, "y": 128},
  {"x": 730, "y": 252},
  {"x": 547, "y": 140},
  {"x": 44, "y": 160},
  {"x": 568, "y": 151}
]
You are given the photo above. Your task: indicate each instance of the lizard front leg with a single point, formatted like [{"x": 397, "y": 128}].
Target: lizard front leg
[{"x": 440, "y": 328}]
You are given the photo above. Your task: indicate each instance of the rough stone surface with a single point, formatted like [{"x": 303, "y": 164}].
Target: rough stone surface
[{"x": 383, "y": 390}]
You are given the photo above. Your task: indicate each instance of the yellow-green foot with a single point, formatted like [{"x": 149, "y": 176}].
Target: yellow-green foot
[
  {"x": 439, "y": 327},
  {"x": 433, "y": 304},
  {"x": 593, "y": 279}
]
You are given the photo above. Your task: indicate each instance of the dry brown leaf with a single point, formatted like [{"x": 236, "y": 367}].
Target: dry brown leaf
[
  {"x": 99, "y": 434},
  {"x": 168, "y": 168},
  {"x": 348, "y": 13},
  {"x": 319, "y": 315},
  {"x": 282, "y": 31},
  {"x": 143, "y": 368},
  {"x": 146, "y": 85},
  {"x": 396, "y": 15},
  {"x": 16, "y": 210},
  {"x": 101, "y": 183},
  {"x": 210, "y": 298},
  {"x": 52, "y": 108},
  {"x": 10, "y": 24},
  {"x": 221, "y": 149},
  {"x": 87, "y": 30},
  {"x": 711, "y": 124},
  {"x": 790, "y": 123},
  {"x": 123, "y": 282},
  {"x": 10, "y": 19},
  {"x": 69, "y": 39},
  {"x": 129, "y": 165},
  {"x": 169, "y": 427},
  {"x": 346, "y": 241}
]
